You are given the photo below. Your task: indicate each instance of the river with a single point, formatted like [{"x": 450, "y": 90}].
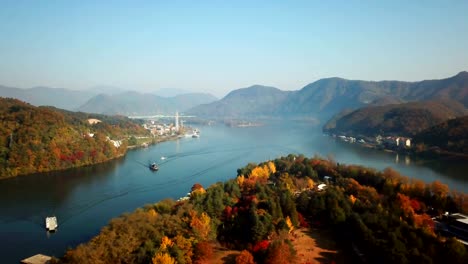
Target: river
[{"x": 85, "y": 199}]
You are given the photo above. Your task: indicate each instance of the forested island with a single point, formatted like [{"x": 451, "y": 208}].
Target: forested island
[
  {"x": 373, "y": 216},
  {"x": 41, "y": 139}
]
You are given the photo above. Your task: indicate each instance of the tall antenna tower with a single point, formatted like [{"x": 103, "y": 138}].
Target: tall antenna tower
[{"x": 177, "y": 121}]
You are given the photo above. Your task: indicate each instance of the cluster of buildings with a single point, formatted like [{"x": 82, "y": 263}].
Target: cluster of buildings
[
  {"x": 389, "y": 142},
  {"x": 394, "y": 141},
  {"x": 162, "y": 129}
]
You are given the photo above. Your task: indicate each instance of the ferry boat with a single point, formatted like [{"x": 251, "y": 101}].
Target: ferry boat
[{"x": 51, "y": 223}]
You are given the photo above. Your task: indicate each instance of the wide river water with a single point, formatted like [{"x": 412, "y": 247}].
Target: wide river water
[{"x": 85, "y": 199}]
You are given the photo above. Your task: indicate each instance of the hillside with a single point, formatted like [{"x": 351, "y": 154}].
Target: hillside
[
  {"x": 263, "y": 214},
  {"x": 405, "y": 119},
  {"x": 254, "y": 102},
  {"x": 39, "y": 139},
  {"x": 135, "y": 103},
  {"x": 327, "y": 97},
  {"x": 449, "y": 136},
  {"x": 57, "y": 97}
]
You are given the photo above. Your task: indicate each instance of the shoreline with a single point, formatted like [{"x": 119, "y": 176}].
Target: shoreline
[{"x": 160, "y": 140}]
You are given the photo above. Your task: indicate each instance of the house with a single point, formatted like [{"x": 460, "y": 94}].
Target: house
[
  {"x": 408, "y": 143},
  {"x": 321, "y": 187},
  {"x": 458, "y": 226}
]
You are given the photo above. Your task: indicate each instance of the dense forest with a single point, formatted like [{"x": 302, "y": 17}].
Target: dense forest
[
  {"x": 40, "y": 139},
  {"x": 381, "y": 216},
  {"x": 450, "y": 136},
  {"x": 405, "y": 119}
]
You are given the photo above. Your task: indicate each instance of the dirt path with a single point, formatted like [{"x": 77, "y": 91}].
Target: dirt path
[{"x": 314, "y": 245}]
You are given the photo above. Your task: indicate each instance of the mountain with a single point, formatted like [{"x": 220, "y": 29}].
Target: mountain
[
  {"x": 254, "y": 102},
  {"x": 106, "y": 89},
  {"x": 135, "y": 103},
  {"x": 40, "y": 139},
  {"x": 405, "y": 119},
  {"x": 451, "y": 136},
  {"x": 327, "y": 97},
  {"x": 57, "y": 97},
  {"x": 170, "y": 92}
]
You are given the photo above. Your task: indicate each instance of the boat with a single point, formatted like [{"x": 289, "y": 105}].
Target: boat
[
  {"x": 195, "y": 135},
  {"x": 153, "y": 167},
  {"x": 163, "y": 158},
  {"x": 51, "y": 223}
]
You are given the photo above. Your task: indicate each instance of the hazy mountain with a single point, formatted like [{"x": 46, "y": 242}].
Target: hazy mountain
[
  {"x": 170, "y": 92},
  {"x": 58, "y": 97},
  {"x": 135, "y": 103},
  {"x": 327, "y": 97},
  {"x": 107, "y": 89},
  {"x": 254, "y": 102},
  {"x": 405, "y": 119}
]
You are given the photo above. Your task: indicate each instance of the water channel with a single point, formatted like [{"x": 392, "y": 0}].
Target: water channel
[{"x": 85, "y": 199}]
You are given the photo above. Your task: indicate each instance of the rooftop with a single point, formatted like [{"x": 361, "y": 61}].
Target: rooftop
[
  {"x": 37, "y": 259},
  {"x": 460, "y": 218}
]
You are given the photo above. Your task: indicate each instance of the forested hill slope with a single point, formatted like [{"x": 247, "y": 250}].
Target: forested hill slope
[
  {"x": 397, "y": 119},
  {"x": 450, "y": 136},
  {"x": 380, "y": 215},
  {"x": 39, "y": 139}
]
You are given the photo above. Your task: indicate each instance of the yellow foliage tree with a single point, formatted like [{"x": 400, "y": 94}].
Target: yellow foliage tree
[
  {"x": 165, "y": 242},
  {"x": 271, "y": 167},
  {"x": 152, "y": 213},
  {"x": 240, "y": 180},
  {"x": 289, "y": 224},
  {"x": 163, "y": 258},
  {"x": 201, "y": 225},
  {"x": 310, "y": 183},
  {"x": 185, "y": 244},
  {"x": 260, "y": 173}
]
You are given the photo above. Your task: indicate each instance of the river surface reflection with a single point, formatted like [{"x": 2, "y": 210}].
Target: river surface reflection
[{"x": 85, "y": 199}]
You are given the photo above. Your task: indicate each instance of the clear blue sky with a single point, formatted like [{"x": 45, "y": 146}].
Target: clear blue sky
[{"x": 215, "y": 47}]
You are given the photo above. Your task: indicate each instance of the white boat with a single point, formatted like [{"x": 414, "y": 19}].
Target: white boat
[{"x": 51, "y": 223}]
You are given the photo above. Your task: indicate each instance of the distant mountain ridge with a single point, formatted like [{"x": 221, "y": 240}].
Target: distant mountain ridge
[
  {"x": 107, "y": 99},
  {"x": 135, "y": 103},
  {"x": 254, "y": 102},
  {"x": 319, "y": 100},
  {"x": 57, "y": 97},
  {"x": 326, "y": 97}
]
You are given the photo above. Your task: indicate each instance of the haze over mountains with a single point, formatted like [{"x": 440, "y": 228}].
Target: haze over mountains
[
  {"x": 321, "y": 99},
  {"x": 135, "y": 103},
  {"x": 109, "y": 99}
]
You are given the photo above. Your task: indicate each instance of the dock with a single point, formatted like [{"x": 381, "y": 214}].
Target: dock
[{"x": 51, "y": 223}]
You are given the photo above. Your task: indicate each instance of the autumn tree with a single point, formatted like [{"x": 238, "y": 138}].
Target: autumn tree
[{"x": 245, "y": 258}]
